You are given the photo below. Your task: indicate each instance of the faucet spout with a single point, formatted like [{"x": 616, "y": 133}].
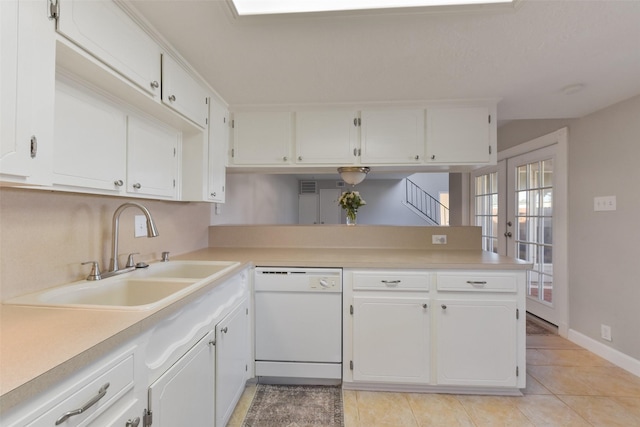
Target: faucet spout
[{"x": 152, "y": 231}]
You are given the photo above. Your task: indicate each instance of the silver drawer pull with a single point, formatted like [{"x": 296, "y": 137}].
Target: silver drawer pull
[
  {"x": 476, "y": 283},
  {"x": 391, "y": 282},
  {"x": 101, "y": 393}
]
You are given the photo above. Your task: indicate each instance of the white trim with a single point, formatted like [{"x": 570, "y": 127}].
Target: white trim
[
  {"x": 561, "y": 250},
  {"x": 558, "y": 137},
  {"x": 612, "y": 355}
]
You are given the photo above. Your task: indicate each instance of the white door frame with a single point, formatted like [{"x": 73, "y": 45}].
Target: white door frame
[{"x": 558, "y": 138}]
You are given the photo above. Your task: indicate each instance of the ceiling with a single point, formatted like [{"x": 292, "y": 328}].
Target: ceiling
[{"x": 523, "y": 56}]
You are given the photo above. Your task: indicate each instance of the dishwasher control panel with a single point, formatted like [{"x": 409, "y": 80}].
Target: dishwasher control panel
[
  {"x": 324, "y": 282},
  {"x": 297, "y": 279}
]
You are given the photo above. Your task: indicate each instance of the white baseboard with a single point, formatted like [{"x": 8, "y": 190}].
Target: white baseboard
[{"x": 612, "y": 355}]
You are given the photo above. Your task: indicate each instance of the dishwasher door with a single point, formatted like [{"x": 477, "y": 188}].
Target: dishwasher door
[{"x": 298, "y": 315}]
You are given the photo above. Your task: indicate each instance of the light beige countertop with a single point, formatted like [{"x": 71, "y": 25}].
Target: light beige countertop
[
  {"x": 362, "y": 258},
  {"x": 41, "y": 346}
]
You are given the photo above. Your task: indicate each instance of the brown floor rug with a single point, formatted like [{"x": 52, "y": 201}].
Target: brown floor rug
[{"x": 295, "y": 406}]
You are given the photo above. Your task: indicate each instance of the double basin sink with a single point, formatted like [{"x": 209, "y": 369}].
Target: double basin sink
[{"x": 142, "y": 289}]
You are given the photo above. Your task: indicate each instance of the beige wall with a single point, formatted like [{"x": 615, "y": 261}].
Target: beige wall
[
  {"x": 258, "y": 199},
  {"x": 44, "y": 236},
  {"x": 604, "y": 288}
]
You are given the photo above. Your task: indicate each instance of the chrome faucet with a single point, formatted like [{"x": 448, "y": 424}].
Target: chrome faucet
[{"x": 152, "y": 231}]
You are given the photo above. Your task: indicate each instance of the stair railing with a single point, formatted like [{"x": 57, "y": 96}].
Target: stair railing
[{"x": 426, "y": 204}]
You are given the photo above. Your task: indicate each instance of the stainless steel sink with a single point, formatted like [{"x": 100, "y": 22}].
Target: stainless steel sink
[{"x": 143, "y": 289}]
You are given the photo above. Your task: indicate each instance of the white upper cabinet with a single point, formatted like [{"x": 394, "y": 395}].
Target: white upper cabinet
[
  {"x": 104, "y": 30},
  {"x": 27, "y": 85},
  {"x": 218, "y": 146},
  {"x": 460, "y": 135},
  {"x": 262, "y": 138},
  {"x": 90, "y": 140},
  {"x": 392, "y": 136},
  {"x": 182, "y": 92},
  {"x": 152, "y": 163},
  {"x": 326, "y": 137}
]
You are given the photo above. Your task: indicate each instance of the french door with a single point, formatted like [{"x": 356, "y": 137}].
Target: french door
[{"x": 521, "y": 206}]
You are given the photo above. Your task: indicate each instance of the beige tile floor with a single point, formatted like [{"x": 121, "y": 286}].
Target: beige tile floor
[{"x": 566, "y": 386}]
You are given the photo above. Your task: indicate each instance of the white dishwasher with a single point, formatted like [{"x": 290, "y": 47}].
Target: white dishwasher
[{"x": 298, "y": 331}]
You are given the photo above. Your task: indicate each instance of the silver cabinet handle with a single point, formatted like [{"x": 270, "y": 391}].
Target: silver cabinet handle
[
  {"x": 213, "y": 194},
  {"x": 118, "y": 183},
  {"x": 433, "y": 157},
  {"x": 299, "y": 157},
  {"x": 285, "y": 158},
  {"x": 224, "y": 330},
  {"x": 508, "y": 234},
  {"x": 476, "y": 283},
  {"x": 101, "y": 393},
  {"x": 137, "y": 186},
  {"x": 133, "y": 423},
  {"x": 155, "y": 84},
  {"x": 172, "y": 98},
  {"x": 444, "y": 307},
  {"x": 212, "y": 342},
  {"x": 424, "y": 306},
  {"x": 391, "y": 282},
  {"x": 417, "y": 157},
  {"x": 34, "y": 147}
]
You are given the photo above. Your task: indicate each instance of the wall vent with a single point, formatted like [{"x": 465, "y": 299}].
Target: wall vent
[{"x": 308, "y": 187}]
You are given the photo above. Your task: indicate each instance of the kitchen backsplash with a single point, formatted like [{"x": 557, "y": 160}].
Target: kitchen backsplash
[{"x": 45, "y": 235}]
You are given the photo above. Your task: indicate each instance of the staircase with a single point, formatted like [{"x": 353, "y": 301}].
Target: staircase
[{"x": 425, "y": 205}]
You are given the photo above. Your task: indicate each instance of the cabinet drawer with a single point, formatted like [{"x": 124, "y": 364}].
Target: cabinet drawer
[
  {"x": 391, "y": 280},
  {"x": 120, "y": 379},
  {"x": 476, "y": 282}
]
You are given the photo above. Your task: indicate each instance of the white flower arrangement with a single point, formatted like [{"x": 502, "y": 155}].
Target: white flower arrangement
[{"x": 351, "y": 201}]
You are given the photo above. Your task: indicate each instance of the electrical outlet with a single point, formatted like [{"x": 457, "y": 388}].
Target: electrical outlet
[
  {"x": 605, "y": 332},
  {"x": 439, "y": 239},
  {"x": 140, "y": 226},
  {"x": 606, "y": 203}
]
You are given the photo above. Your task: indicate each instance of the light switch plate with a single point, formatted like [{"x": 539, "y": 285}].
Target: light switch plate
[
  {"x": 605, "y": 203},
  {"x": 140, "y": 226}
]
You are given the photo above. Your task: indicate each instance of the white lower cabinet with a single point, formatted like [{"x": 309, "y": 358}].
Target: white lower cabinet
[
  {"x": 433, "y": 330},
  {"x": 94, "y": 396},
  {"x": 185, "y": 394},
  {"x": 232, "y": 361},
  {"x": 391, "y": 339},
  {"x": 189, "y": 369},
  {"x": 477, "y": 343}
]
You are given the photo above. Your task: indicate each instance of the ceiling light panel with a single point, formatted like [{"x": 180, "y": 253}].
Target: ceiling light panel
[{"x": 270, "y": 7}]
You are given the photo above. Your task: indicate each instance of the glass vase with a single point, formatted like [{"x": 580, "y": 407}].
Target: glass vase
[{"x": 351, "y": 218}]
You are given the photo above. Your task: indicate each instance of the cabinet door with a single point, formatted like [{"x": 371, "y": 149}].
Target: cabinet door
[
  {"x": 27, "y": 82},
  {"x": 185, "y": 394},
  {"x": 459, "y": 135},
  {"x": 261, "y": 138},
  {"x": 330, "y": 211},
  {"x": 152, "y": 165},
  {"x": 182, "y": 92},
  {"x": 326, "y": 137},
  {"x": 391, "y": 339},
  {"x": 108, "y": 33},
  {"x": 477, "y": 343},
  {"x": 392, "y": 136},
  {"x": 232, "y": 359},
  {"x": 308, "y": 208},
  {"x": 90, "y": 135},
  {"x": 218, "y": 145}
]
